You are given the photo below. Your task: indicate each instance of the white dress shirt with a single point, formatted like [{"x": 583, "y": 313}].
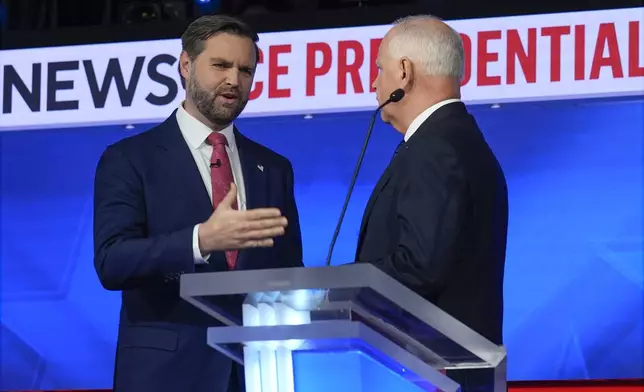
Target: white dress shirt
[
  {"x": 195, "y": 133},
  {"x": 421, "y": 118}
]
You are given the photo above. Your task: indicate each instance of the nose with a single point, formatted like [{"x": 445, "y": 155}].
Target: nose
[{"x": 232, "y": 76}]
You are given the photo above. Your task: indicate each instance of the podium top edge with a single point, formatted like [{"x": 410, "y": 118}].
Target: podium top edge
[
  {"x": 352, "y": 275},
  {"x": 346, "y": 276}
]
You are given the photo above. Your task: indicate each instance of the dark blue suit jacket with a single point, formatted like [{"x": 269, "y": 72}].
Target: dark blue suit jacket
[
  {"x": 437, "y": 220},
  {"x": 148, "y": 197}
]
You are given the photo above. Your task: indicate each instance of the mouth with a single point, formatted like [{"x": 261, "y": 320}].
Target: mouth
[{"x": 229, "y": 98}]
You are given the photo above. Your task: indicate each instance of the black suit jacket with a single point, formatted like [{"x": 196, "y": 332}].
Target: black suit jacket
[
  {"x": 148, "y": 197},
  {"x": 437, "y": 220}
]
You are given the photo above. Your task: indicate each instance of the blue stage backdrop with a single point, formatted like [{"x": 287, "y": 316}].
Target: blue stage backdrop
[{"x": 574, "y": 279}]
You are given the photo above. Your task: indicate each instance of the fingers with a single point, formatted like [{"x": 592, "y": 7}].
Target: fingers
[
  {"x": 245, "y": 229},
  {"x": 265, "y": 243},
  {"x": 230, "y": 197},
  {"x": 261, "y": 229},
  {"x": 262, "y": 234},
  {"x": 259, "y": 233},
  {"x": 262, "y": 213},
  {"x": 266, "y": 223}
]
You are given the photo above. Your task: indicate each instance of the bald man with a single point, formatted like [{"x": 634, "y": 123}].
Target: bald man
[{"x": 437, "y": 218}]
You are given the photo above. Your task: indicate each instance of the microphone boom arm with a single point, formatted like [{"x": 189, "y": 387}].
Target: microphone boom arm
[{"x": 394, "y": 97}]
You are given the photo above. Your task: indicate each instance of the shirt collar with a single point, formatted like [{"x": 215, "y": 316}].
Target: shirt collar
[
  {"x": 421, "y": 118},
  {"x": 195, "y": 132}
]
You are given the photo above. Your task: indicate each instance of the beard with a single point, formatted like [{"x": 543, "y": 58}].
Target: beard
[{"x": 220, "y": 114}]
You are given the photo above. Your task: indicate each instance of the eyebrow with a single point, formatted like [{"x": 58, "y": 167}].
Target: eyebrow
[
  {"x": 219, "y": 60},
  {"x": 230, "y": 64}
]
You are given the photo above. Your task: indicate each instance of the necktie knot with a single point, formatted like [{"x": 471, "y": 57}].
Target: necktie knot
[{"x": 216, "y": 138}]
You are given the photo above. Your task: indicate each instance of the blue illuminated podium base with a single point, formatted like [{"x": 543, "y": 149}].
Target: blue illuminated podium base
[
  {"x": 333, "y": 355},
  {"x": 352, "y": 371},
  {"x": 349, "y": 328}
]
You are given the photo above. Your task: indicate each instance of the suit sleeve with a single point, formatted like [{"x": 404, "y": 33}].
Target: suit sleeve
[
  {"x": 429, "y": 202},
  {"x": 124, "y": 256},
  {"x": 292, "y": 241}
]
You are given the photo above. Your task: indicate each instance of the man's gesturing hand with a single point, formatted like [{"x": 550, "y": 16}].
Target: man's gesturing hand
[{"x": 229, "y": 229}]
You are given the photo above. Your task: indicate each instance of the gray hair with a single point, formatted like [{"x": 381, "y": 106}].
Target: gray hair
[{"x": 437, "y": 49}]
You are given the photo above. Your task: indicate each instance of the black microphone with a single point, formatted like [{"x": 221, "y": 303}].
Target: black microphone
[
  {"x": 396, "y": 96},
  {"x": 216, "y": 164}
]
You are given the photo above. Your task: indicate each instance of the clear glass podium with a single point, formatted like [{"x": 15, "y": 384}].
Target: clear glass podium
[{"x": 334, "y": 329}]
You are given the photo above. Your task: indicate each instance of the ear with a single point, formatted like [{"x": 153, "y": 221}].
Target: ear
[
  {"x": 407, "y": 73},
  {"x": 184, "y": 64}
]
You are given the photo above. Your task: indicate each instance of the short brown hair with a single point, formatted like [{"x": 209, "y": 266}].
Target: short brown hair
[{"x": 207, "y": 26}]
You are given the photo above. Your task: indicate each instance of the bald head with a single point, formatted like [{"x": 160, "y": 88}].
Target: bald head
[{"x": 431, "y": 45}]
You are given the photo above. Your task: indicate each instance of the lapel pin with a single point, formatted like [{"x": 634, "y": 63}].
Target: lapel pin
[{"x": 260, "y": 167}]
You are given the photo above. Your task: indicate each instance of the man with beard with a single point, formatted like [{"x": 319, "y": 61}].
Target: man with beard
[{"x": 153, "y": 214}]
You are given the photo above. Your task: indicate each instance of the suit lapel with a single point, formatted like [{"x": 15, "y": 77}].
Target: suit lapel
[
  {"x": 180, "y": 165},
  {"x": 435, "y": 118},
  {"x": 254, "y": 173},
  {"x": 256, "y": 183},
  {"x": 380, "y": 185}
]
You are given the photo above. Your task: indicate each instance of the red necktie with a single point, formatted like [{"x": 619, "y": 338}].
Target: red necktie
[{"x": 221, "y": 176}]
